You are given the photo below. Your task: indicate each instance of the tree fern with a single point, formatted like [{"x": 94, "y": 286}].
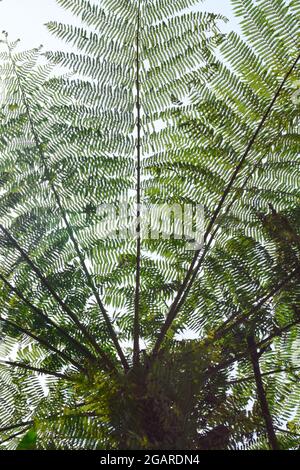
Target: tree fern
[{"x": 159, "y": 108}]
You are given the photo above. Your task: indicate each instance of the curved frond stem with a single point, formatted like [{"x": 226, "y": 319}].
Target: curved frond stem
[
  {"x": 30, "y": 423},
  {"x": 43, "y": 371},
  {"x": 286, "y": 431},
  {"x": 54, "y": 294},
  {"x": 13, "y": 436},
  {"x": 262, "y": 397},
  {"x": 70, "y": 231},
  {"x": 44, "y": 343},
  {"x": 195, "y": 264},
  {"x": 76, "y": 344},
  {"x": 261, "y": 345},
  {"x": 250, "y": 378},
  {"x": 16, "y": 426},
  {"x": 136, "y": 327},
  {"x": 220, "y": 333},
  {"x": 176, "y": 308},
  {"x": 244, "y": 317},
  {"x": 276, "y": 333}
]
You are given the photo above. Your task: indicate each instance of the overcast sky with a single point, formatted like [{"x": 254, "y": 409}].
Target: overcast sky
[{"x": 25, "y": 19}]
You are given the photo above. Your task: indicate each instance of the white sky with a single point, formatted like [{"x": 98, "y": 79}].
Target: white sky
[{"x": 25, "y": 19}]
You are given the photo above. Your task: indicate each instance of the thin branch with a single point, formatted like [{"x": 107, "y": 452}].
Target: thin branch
[
  {"x": 44, "y": 343},
  {"x": 71, "y": 232},
  {"x": 249, "y": 378},
  {"x": 14, "y": 435},
  {"x": 261, "y": 346},
  {"x": 54, "y": 294},
  {"x": 227, "y": 327},
  {"x": 17, "y": 425},
  {"x": 77, "y": 345},
  {"x": 21, "y": 365},
  {"x": 30, "y": 423},
  {"x": 136, "y": 328},
  {"x": 178, "y": 302},
  {"x": 221, "y": 332},
  {"x": 286, "y": 431},
  {"x": 252, "y": 347},
  {"x": 276, "y": 333},
  {"x": 195, "y": 266}
]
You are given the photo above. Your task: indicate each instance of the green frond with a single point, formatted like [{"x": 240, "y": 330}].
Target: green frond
[{"x": 159, "y": 106}]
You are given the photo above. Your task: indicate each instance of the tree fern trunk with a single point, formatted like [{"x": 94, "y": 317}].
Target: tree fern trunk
[{"x": 274, "y": 445}]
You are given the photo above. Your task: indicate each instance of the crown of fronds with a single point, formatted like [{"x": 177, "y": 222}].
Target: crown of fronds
[{"x": 151, "y": 114}]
